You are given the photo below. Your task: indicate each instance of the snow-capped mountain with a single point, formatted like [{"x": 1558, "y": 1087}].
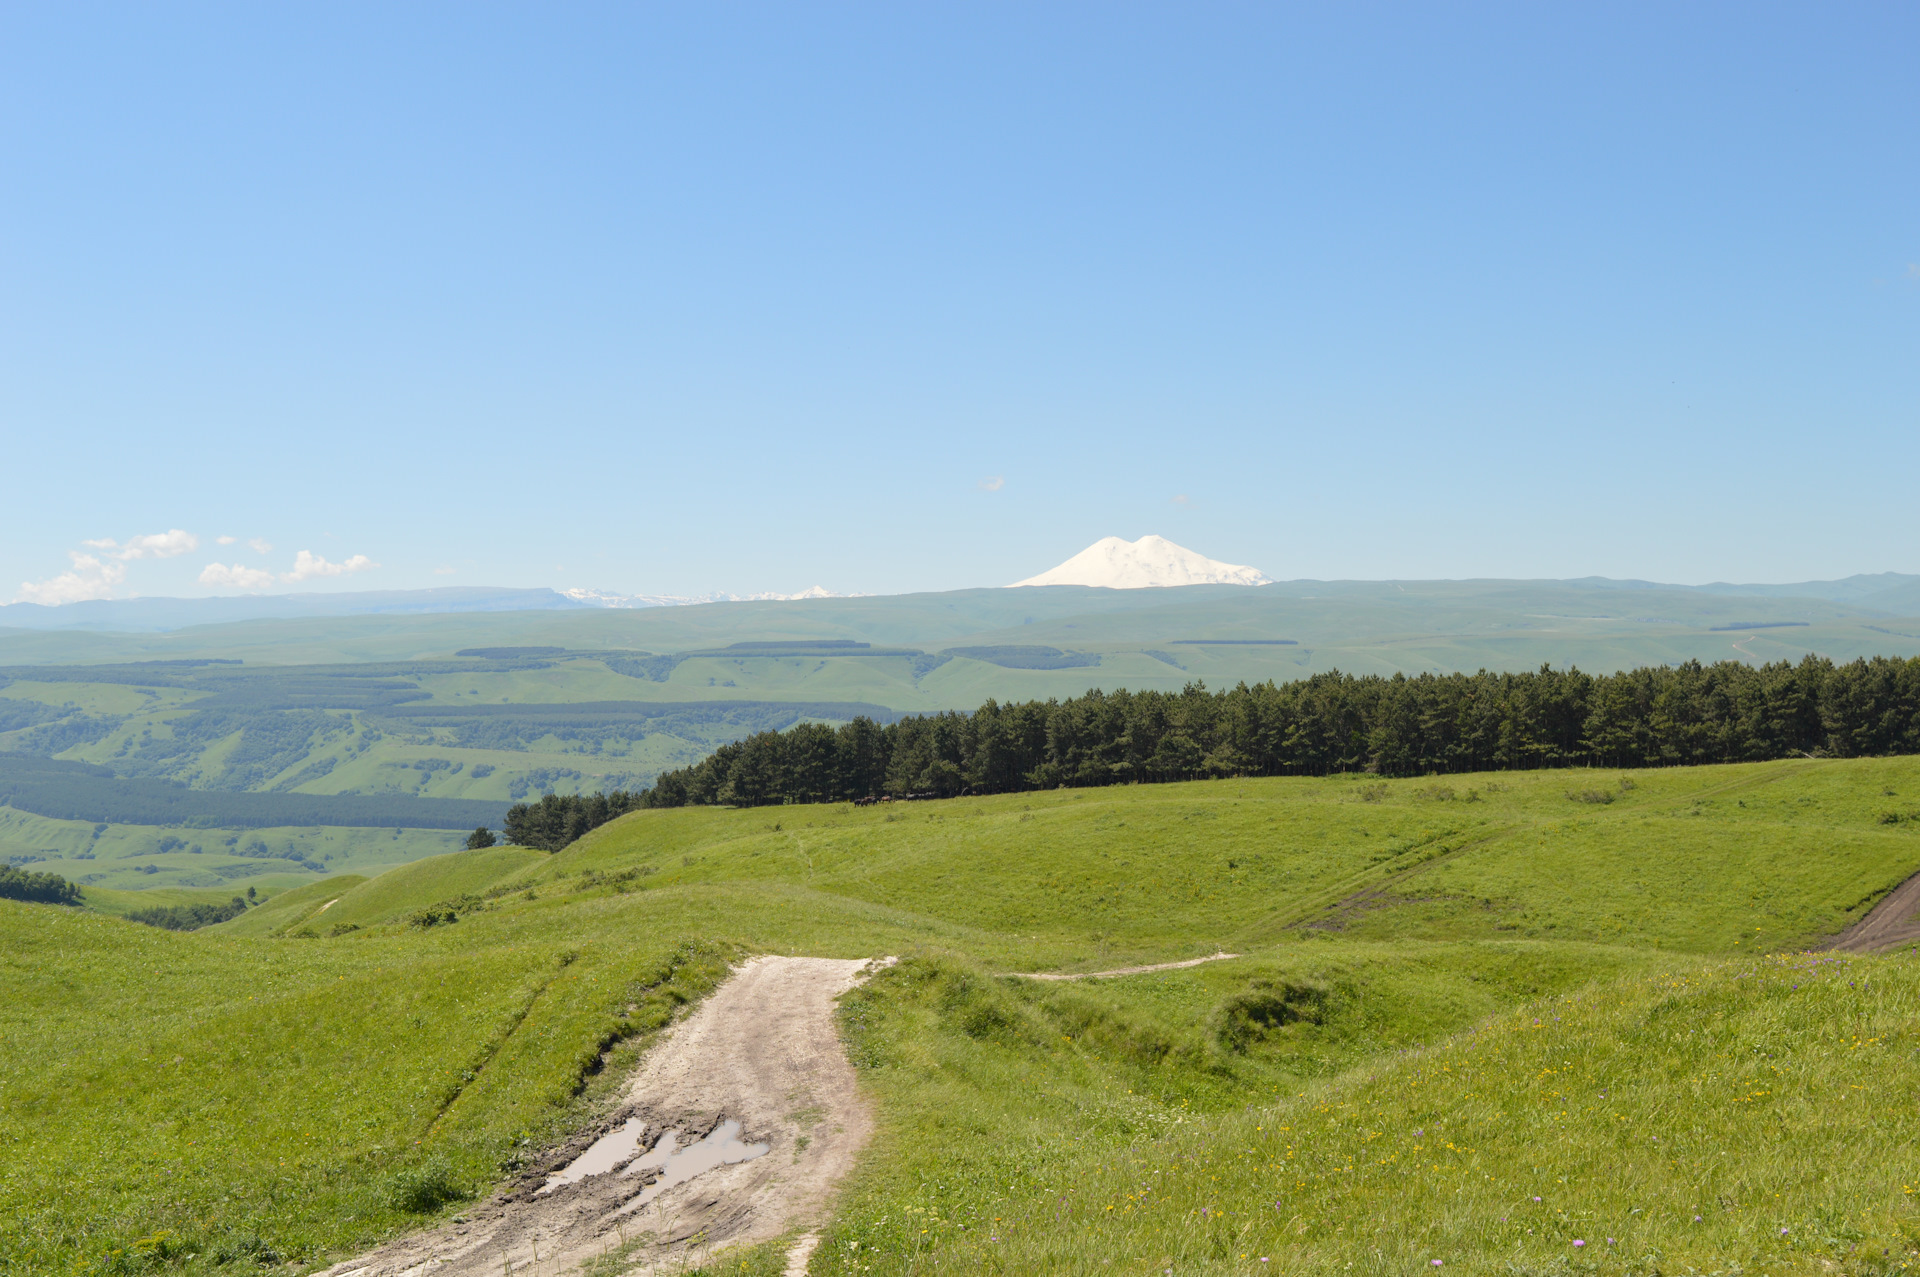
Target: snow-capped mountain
[
  {"x": 600, "y": 598},
  {"x": 1137, "y": 565}
]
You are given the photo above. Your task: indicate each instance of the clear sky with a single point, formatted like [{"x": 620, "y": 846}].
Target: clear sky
[{"x": 885, "y": 297}]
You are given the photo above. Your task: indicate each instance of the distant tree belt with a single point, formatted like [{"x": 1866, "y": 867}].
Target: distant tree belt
[
  {"x": 629, "y": 711},
  {"x": 1329, "y": 723},
  {"x": 659, "y": 668},
  {"x": 518, "y": 726},
  {"x": 558, "y": 819},
  {"x": 234, "y": 686},
  {"x": 1235, "y": 643},
  {"x": 80, "y": 791},
  {"x": 188, "y": 917},
  {"x": 1023, "y": 656},
  {"x": 50, "y": 889}
]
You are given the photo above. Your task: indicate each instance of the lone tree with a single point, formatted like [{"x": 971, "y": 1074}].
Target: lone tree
[{"x": 481, "y": 837}]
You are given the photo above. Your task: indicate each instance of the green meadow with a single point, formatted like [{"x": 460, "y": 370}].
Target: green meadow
[
  {"x": 1451, "y": 998},
  {"x": 386, "y": 709}
]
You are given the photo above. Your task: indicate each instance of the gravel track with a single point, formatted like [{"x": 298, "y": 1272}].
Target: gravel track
[
  {"x": 763, "y": 1051},
  {"x": 1893, "y": 922}
]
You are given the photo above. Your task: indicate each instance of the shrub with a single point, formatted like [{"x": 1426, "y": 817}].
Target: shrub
[
  {"x": 48, "y": 889},
  {"x": 1267, "y": 1005},
  {"x": 422, "y": 1189},
  {"x": 188, "y": 917},
  {"x": 1591, "y": 796}
]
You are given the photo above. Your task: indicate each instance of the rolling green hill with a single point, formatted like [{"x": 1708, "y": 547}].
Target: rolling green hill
[
  {"x": 404, "y": 717},
  {"x": 1365, "y": 1083}
]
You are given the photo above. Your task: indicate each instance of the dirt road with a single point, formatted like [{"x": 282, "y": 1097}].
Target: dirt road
[
  {"x": 1094, "y": 975},
  {"x": 761, "y": 1052},
  {"x": 1894, "y": 921}
]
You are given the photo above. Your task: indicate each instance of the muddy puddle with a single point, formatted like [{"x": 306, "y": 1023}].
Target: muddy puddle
[{"x": 621, "y": 1149}]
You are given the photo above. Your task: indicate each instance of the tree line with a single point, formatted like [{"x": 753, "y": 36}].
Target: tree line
[
  {"x": 64, "y": 790},
  {"x": 188, "y": 917},
  {"x": 38, "y": 888},
  {"x": 558, "y": 819},
  {"x": 1330, "y": 723}
]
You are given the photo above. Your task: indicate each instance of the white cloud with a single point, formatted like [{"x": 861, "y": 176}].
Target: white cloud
[
  {"x": 993, "y": 483},
  {"x": 94, "y": 575},
  {"x": 90, "y": 579},
  {"x": 307, "y": 565},
  {"x": 155, "y": 545},
  {"x": 443, "y": 571},
  {"x": 235, "y": 576},
  {"x": 1182, "y": 499},
  {"x": 261, "y": 544},
  {"x": 225, "y": 540}
]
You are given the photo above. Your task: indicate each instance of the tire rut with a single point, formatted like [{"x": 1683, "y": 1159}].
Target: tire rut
[{"x": 762, "y": 1051}]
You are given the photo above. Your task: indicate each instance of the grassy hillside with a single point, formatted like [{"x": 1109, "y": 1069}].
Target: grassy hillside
[
  {"x": 290, "y": 908},
  {"x": 403, "y": 891},
  {"x": 1730, "y": 1116},
  {"x": 220, "y": 861},
  {"x": 192, "y": 1102},
  {"x": 384, "y": 711}
]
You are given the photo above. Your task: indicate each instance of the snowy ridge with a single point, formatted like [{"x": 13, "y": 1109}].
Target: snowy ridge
[
  {"x": 600, "y": 598},
  {"x": 1144, "y": 564}
]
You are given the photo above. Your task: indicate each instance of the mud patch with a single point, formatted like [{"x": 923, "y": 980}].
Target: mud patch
[
  {"x": 1359, "y": 905},
  {"x": 681, "y": 1169},
  {"x": 672, "y": 1165}
]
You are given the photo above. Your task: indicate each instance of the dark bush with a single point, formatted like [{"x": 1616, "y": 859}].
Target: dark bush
[
  {"x": 188, "y": 917},
  {"x": 423, "y": 1189},
  {"x": 558, "y": 819},
  {"x": 46, "y": 889},
  {"x": 1252, "y": 1016}
]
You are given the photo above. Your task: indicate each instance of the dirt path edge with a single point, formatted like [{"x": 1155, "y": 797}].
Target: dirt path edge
[
  {"x": 763, "y": 1050},
  {"x": 1889, "y": 924}
]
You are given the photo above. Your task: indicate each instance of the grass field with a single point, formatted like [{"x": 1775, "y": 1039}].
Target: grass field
[
  {"x": 144, "y": 857},
  {"x": 1451, "y": 998},
  {"x": 366, "y": 706}
]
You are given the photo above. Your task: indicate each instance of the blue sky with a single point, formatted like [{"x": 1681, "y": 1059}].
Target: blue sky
[{"x": 669, "y": 299}]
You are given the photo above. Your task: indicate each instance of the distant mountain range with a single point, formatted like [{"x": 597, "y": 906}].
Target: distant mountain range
[
  {"x": 1887, "y": 594},
  {"x": 140, "y": 614}
]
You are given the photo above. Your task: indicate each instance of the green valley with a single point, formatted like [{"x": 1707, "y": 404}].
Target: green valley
[
  {"x": 382, "y": 717},
  {"x": 1446, "y": 1002}
]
